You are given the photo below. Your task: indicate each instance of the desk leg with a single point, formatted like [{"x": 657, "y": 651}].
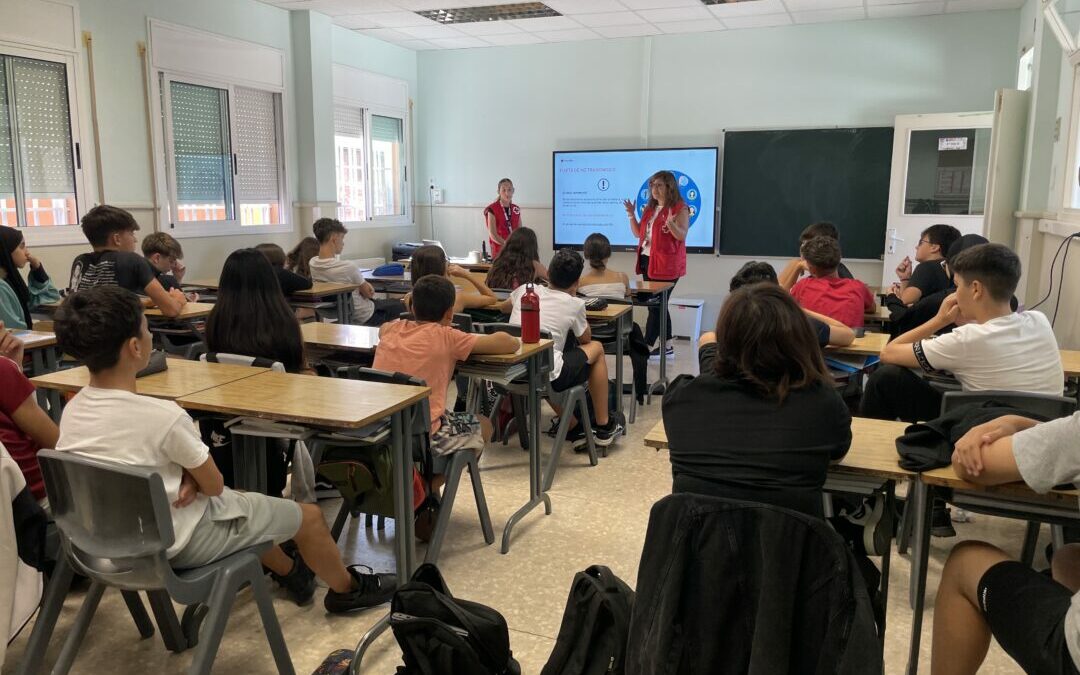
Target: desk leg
[
  {"x": 404, "y": 544},
  {"x": 536, "y": 494},
  {"x": 923, "y": 500},
  {"x": 660, "y": 386},
  {"x": 620, "y": 346}
]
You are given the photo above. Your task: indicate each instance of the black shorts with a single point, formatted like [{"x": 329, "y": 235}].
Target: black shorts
[
  {"x": 575, "y": 370},
  {"x": 1026, "y": 612}
]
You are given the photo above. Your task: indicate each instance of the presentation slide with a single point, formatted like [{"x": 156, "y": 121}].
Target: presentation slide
[{"x": 590, "y": 187}]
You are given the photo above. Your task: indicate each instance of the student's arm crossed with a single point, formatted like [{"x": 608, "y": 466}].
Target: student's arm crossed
[
  {"x": 496, "y": 343},
  {"x": 168, "y": 302}
]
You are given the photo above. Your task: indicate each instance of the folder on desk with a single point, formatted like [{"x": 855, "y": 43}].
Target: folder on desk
[{"x": 849, "y": 364}]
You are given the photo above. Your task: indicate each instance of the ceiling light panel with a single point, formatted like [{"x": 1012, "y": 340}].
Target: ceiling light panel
[{"x": 517, "y": 10}]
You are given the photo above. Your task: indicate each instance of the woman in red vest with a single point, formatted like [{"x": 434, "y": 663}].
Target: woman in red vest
[
  {"x": 502, "y": 216},
  {"x": 661, "y": 251}
]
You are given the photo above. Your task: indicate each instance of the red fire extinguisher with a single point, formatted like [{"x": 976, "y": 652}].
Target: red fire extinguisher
[{"x": 530, "y": 316}]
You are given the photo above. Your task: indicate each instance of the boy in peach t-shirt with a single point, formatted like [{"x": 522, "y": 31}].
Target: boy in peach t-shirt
[{"x": 429, "y": 348}]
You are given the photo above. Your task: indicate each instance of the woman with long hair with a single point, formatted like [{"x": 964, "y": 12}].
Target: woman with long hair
[
  {"x": 502, "y": 217},
  {"x": 661, "y": 251},
  {"x": 17, "y": 297},
  {"x": 471, "y": 293},
  {"x": 519, "y": 263},
  {"x": 762, "y": 421},
  {"x": 300, "y": 256}
]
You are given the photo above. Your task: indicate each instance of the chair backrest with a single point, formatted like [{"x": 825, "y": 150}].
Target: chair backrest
[
  {"x": 114, "y": 520},
  {"x": 241, "y": 360},
  {"x": 1045, "y": 405}
]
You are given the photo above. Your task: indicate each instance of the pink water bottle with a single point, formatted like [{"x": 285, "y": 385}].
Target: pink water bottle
[{"x": 530, "y": 316}]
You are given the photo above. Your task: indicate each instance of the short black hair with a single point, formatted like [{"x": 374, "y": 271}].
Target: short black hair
[
  {"x": 941, "y": 235},
  {"x": 432, "y": 295},
  {"x": 753, "y": 272},
  {"x": 102, "y": 221},
  {"x": 565, "y": 268},
  {"x": 821, "y": 252},
  {"x": 324, "y": 228},
  {"x": 92, "y": 325},
  {"x": 995, "y": 266},
  {"x": 822, "y": 228},
  {"x": 962, "y": 244}
]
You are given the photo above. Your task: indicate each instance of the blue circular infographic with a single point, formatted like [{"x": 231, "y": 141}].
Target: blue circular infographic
[{"x": 688, "y": 189}]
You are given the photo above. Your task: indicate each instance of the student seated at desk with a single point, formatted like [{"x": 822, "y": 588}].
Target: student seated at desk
[
  {"x": 930, "y": 275},
  {"x": 983, "y": 591},
  {"x": 299, "y": 258},
  {"x": 251, "y": 318},
  {"x": 762, "y": 421},
  {"x": 562, "y": 314},
  {"x": 328, "y": 266},
  {"x": 291, "y": 282},
  {"x": 105, "y": 329},
  {"x": 111, "y": 232},
  {"x": 829, "y": 331},
  {"x": 166, "y": 256},
  {"x": 431, "y": 259},
  {"x": 429, "y": 348},
  {"x": 598, "y": 281},
  {"x": 824, "y": 292},
  {"x": 903, "y": 318},
  {"x": 18, "y": 299},
  {"x": 24, "y": 427},
  {"x": 518, "y": 262},
  {"x": 798, "y": 267}
]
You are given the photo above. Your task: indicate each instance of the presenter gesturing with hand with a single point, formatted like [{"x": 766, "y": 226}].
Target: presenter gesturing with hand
[{"x": 661, "y": 234}]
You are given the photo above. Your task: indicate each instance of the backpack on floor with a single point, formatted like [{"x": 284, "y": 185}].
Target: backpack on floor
[
  {"x": 337, "y": 663},
  {"x": 443, "y": 635},
  {"x": 595, "y": 626}
]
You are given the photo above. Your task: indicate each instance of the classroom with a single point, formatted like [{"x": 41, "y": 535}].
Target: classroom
[{"x": 567, "y": 336}]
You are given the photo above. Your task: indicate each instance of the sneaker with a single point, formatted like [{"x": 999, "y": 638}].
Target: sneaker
[
  {"x": 299, "y": 582},
  {"x": 605, "y": 435},
  {"x": 941, "y": 522},
  {"x": 877, "y": 525},
  {"x": 371, "y": 589},
  {"x": 576, "y": 438},
  {"x": 655, "y": 353}
]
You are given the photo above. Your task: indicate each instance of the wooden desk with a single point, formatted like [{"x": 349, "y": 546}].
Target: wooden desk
[
  {"x": 1070, "y": 361},
  {"x": 208, "y": 284},
  {"x": 342, "y": 295},
  {"x": 190, "y": 312},
  {"x": 651, "y": 287},
  {"x": 523, "y": 353},
  {"x": 870, "y": 344},
  {"x": 340, "y": 337},
  {"x": 44, "y": 358},
  {"x": 35, "y": 339},
  {"x": 610, "y": 313},
  {"x": 181, "y": 379},
  {"x": 880, "y": 315}
]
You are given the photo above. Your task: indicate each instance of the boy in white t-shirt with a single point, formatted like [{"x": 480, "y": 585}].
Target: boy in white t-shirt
[
  {"x": 562, "y": 313},
  {"x": 983, "y": 592},
  {"x": 328, "y": 266},
  {"x": 104, "y": 327},
  {"x": 994, "y": 348}
]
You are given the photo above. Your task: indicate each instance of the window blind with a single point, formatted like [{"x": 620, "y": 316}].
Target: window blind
[
  {"x": 255, "y": 120},
  {"x": 348, "y": 121},
  {"x": 42, "y": 127},
  {"x": 386, "y": 129},
  {"x": 201, "y": 143},
  {"x": 7, "y": 158}
]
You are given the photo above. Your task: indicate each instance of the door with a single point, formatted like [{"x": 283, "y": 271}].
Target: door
[{"x": 939, "y": 175}]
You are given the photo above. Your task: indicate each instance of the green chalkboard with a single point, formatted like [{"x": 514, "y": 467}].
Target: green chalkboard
[{"x": 775, "y": 183}]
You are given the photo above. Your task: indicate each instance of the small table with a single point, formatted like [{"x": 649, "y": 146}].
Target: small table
[
  {"x": 340, "y": 337},
  {"x": 396, "y": 284},
  {"x": 880, "y": 315},
  {"x": 620, "y": 315},
  {"x": 643, "y": 294},
  {"x": 869, "y": 344},
  {"x": 341, "y": 293},
  {"x": 44, "y": 357},
  {"x": 192, "y": 311}
]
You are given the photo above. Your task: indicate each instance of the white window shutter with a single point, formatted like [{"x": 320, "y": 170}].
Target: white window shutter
[{"x": 258, "y": 178}]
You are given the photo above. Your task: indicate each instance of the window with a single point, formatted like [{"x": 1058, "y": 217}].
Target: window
[
  {"x": 947, "y": 171},
  {"x": 39, "y": 152},
  {"x": 1026, "y": 69},
  {"x": 223, "y": 153},
  {"x": 369, "y": 156},
  {"x": 1071, "y": 191}
]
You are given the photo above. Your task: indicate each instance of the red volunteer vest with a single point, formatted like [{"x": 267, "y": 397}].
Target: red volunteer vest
[
  {"x": 667, "y": 255},
  {"x": 502, "y": 226}
]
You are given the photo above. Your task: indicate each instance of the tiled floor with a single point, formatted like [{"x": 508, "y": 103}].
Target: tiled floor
[{"x": 599, "y": 516}]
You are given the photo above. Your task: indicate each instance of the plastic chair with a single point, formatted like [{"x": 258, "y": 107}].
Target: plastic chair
[
  {"x": 450, "y": 465},
  {"x": 568, "y": 400},
  {"x": 115, "y": 528}
]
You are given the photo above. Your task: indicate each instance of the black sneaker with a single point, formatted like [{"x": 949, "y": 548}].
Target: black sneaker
[
  {"x": 605, "y": 435},
  {"x": 371, "y": 589},
  {"x": 299, "y": 582},
  {"x": 655, "y": 353},
  {"x": 941, "y": 521},
  {"x": 576, "y": 438}
]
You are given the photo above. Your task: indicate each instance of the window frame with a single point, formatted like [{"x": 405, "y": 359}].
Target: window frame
[
  {"x": 58, "y": 235},
  {"x": 369, "y": 110},
  {"x": 1071, "y": 175}
]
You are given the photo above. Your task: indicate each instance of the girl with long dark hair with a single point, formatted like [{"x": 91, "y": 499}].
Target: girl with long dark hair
[{"x": 17, "y": 297}]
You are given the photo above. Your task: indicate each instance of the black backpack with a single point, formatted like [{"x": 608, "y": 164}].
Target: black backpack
[
  {"x": 595, "y": 626},
  {"x": 443, "y": 635}
]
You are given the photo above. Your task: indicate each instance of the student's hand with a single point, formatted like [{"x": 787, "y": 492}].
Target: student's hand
[
  {"x": 10, "y": 346},
  {"x": 178, "y": 269},
  {"x": 457, "y": 271},
  {"x": 903, "y": 270},
  {"x": 188, "y": 491},
  {"x": 629, "y": 206},
  {"x": 178, "y": 295},
  {"x": 34, "y": 262},
  {"x": 895, "y": 288},
  {"x": 949, "y": 311}
]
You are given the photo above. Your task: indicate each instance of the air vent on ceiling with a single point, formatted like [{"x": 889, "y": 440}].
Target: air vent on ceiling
[{"x": 517, "y": 10}]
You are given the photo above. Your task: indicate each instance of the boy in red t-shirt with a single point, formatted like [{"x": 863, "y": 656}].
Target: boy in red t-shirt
[
  {"x": 24, "y": 427},
  {"x": 824, "y": 292}
]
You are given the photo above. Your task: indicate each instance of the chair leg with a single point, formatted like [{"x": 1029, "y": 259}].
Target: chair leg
[
  {"x": 382, "y": 524},
  {"x": 171, "y": 634},
  {"x": 556, "y": 449},
  {"x": 522, "y": 420},
  {"x": 78, "y": 629},
  {"x": 481, "y": 500},
  {"x": 138, "y": 613},
  {"x": 220, "y": 603},
  {"x": 496, "y": 432},
  {"x": 1031, "y": 540},
  {"x": 340, "y": 520},
  {"x": 271, "y": 625},
  {"x": 453, "y": 478},
  {"x": 583, "y": 414},
  {"x": 633, "y": 406},
  {"x": 55, "y": 592}
]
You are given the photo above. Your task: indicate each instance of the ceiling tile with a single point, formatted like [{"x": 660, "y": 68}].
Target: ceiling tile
[
  {"x": 547, "y": 23},
  {"x": 758, "y": 21},
  {"x": 628, "y": 31},
  {"x": 336, "y": 7},
  {"x": 512, "y": 39},
  {"x": 585, "y": 6},
  {"x": 567, "y": 35},
  {"x": 672, "y": 14},
  {"x": 748, "y": 8},
  {"x": 421, "y": 5},
  {"x": 910, "y": 9},
  {"x": 823, "y": 15},
  {"x": 356, "y": 21},
  {"x": 459, "y": 43},
  {"x": 624, "y": 18},
  {"x": 431, "y": 32},
  {"x": 980, "y": 5},
  {"x": 485, "y": 28},
  {"x": 659, "y": 4},
  {"x": 387, "y": 34},
  {"x": 417, "y": 45},
  {"x": 400, "y": 19},
  {"x": 871, "y": 3},
  {"x": 815, "y": 5},
  {"x": 706, "y": 25}
]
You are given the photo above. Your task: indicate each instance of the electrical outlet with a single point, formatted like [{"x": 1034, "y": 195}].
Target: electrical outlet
[
  {"x": 431, "y": 183},
  {"x": 437, "y": 196}
]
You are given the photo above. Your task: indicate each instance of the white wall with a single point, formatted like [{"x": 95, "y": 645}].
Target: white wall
[{"x": 500, "y": 112}]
